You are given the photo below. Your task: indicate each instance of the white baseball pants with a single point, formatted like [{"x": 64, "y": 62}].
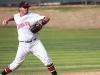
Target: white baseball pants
[{"x": 35, "y": 47}]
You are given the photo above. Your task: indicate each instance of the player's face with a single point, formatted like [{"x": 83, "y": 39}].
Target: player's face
[{"x": 24, "y": 10}]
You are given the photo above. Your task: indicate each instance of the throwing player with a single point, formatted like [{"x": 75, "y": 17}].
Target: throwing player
[{"x": 28, "y": 40}]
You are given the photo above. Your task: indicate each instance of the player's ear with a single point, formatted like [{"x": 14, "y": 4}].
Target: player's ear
[{"x": 19, "y": 8}]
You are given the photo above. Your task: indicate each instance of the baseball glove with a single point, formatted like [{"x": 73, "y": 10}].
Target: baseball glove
[{"x": 35, "y": 28}]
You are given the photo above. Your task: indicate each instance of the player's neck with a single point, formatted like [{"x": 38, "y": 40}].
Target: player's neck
[{"x": 22, "y": 14}]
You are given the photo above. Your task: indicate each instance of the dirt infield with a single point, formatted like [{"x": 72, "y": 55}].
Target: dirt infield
[
  {"x": 81, "y": 73},
  {"x": 78, "y": 19},
  {"x": 76, "y": 73}
]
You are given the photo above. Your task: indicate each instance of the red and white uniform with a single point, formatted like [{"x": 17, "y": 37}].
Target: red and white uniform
[
  {"x": 24, "y": 34},
  {"x": 23, "y": 25}
]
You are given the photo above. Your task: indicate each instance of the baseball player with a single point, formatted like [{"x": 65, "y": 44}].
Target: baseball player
[{"x": 28, "y": 38}]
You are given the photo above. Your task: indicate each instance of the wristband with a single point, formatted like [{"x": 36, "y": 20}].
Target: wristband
[{"x": 44, "y": 22}]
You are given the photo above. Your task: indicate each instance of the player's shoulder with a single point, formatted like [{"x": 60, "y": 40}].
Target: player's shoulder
[
  {"x": 34, "y": 14},
  {"x": 16, "y": 14}
]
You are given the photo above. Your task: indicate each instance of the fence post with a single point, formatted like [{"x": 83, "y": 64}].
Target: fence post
[
  {"x": 39, "y": 3},
  {"x": 85, "y": 2}
]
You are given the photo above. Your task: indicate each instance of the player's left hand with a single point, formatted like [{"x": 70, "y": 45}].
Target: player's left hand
[{"x": 35, "y": 28}]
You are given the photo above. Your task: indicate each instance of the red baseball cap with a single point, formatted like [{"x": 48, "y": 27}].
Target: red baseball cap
[{"x": 24, "y": 3}]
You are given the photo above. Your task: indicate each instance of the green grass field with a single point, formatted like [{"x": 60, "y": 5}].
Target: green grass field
[{"x": 70, "y": 50}]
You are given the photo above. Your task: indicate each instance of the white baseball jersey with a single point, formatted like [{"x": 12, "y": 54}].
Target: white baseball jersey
[
  {"x": 24, "y": 34},
  {"x": 23, "y": 25}
]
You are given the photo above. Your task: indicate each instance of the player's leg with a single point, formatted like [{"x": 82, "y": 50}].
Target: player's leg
[
  {"x": 52, "y": 69},
  {"x": 20, "y": 57},
  {"x": 41, "y": 53}
]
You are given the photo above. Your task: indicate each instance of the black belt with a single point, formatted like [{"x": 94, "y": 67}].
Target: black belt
[{"x": 27, "y": 41}]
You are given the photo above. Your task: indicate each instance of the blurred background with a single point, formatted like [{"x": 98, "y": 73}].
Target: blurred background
[{"x": 48, "y": 2}]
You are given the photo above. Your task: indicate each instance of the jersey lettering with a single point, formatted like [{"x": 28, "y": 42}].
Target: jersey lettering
[{"x": 23, "y": 24}]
